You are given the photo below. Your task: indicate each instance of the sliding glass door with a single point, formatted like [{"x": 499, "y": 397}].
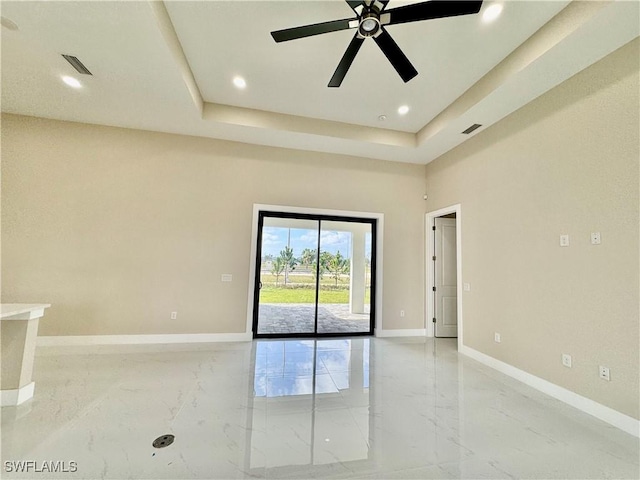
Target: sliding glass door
[
  {"x": 314, "y": 276},
  {"x": 287, "y": 284},
  {"x": 344, "y": 301}
]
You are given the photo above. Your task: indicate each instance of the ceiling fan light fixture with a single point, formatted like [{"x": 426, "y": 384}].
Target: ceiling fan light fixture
[
  {"x": 369, "y": 24},
  {"x": 492, "y": 12}
]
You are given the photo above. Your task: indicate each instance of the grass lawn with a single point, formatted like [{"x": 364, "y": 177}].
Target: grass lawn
[{"x": 272, "y": 294}]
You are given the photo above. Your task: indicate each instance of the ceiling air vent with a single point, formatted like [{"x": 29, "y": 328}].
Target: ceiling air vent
[
  {"x": 77, "y": 64},
  {"x": 472, "y": 128}
]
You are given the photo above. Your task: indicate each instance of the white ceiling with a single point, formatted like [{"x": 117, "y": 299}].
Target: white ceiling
[{"x": 168, "y": 67}]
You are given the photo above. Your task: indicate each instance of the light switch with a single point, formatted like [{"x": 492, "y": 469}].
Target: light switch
[
  {"x": 595, "y": 238},
  {"x": 467, "y": 287},
  {"x": 564, "y": 240},
  {"x": 227, "y": 277}
]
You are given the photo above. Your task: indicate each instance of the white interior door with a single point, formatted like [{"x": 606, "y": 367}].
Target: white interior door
[{"x": 446, "y": 304}]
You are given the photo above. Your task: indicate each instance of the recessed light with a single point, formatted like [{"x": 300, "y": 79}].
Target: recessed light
[
  {"x": 492, "y": 12},
  {"x": 382, "y": 118},
  {"x": 403, "y": 110},
  {"x": 239, "y": 82},
  {"x": 6, "y": 23},
  {"x": 72, "y": 82}
]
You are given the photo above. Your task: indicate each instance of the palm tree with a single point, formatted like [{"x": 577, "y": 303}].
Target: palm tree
[
  {"x": 325, "y": 258},
  {"x": 277, "y": 267},
  {"x": 289, "y": 262},
  {"x": 337, "y": 265},
  {"x": 308, "y": 257}
]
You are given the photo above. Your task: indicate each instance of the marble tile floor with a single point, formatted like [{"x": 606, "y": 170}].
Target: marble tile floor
[
  {"x": 292, "y": 318},
  {"x": 336, "y": 408}
]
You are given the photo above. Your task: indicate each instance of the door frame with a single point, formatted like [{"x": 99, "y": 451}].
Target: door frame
[
  {"x": 379, "y": 217},
  {"x": 430, "y": 248}
]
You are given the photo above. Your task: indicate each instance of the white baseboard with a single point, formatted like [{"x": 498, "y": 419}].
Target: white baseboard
[
  {"x": 50, "y": 341},
  {"x": 602, "y": 412},
  {"x": 16, "y": 396},
  {"x": 402, "y": 332}
]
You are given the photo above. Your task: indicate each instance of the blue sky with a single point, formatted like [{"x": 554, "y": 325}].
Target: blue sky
[{"x": 274, "y": 239}]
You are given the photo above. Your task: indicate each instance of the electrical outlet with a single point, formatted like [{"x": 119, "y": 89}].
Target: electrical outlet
[
  {"x": 402, "y": 313},
  {"x": 174, "y": 315},
  {"x": 564, "y": 240},
  {"x": 496, "y": 337},
  {"x": 604, "y": 373},
  {"x": 566, "y": 360}
]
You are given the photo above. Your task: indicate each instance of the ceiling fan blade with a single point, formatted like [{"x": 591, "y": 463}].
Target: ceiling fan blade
[
  {"x": 398, "y": 59},
  {"x": 432, "y": 9},
  {"x": 347, "y": 60},
  {"x": 354, "y": 4},
  {"x": 315, "y": 29}
]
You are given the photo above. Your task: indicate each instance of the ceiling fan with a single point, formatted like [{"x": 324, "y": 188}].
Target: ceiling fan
[{"x": 371, "y": 19}]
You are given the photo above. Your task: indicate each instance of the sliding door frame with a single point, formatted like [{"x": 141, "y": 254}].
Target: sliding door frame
[{"x": 319, "y": 217}]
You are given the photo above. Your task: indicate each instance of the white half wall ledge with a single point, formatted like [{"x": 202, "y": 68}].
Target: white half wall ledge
[
  {"x": 602, "y": 412},
  {"x": 70, "y": 340},
  {"x": 11, "y": 398},
  {"x": 401, "y": 332}
]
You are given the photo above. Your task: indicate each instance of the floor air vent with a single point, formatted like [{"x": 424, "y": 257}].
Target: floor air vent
[{"x": 77, "y": 64}]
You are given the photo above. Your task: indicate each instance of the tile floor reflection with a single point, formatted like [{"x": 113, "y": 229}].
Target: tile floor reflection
[
  {"x": 343, "y": 408},
  {"x": 300, "y": 414}
]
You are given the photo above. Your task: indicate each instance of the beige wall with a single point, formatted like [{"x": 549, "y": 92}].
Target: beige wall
[
  {"x": 566, "y": 163},
  {"x": 116, "y": 228}
]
